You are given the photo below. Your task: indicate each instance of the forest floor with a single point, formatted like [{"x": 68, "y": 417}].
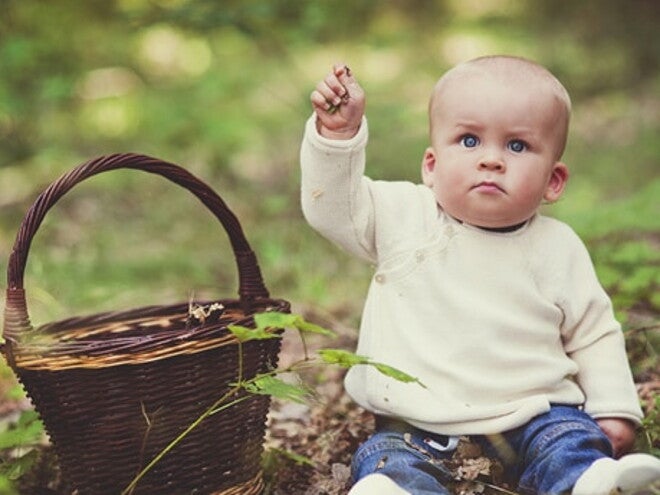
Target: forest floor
[
  {"x": 309, "y": 446},
  {"x": 328, "y": 431}
]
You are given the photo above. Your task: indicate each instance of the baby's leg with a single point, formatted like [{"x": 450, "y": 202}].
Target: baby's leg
[
  {"x": 555, "y": 448},
  {"x": 407, "y": 457}
]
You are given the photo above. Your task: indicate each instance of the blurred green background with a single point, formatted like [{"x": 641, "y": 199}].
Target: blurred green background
[{"x": 222, "y": 88}]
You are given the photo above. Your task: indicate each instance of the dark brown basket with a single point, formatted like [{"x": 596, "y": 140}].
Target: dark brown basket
[{"x": 114, "y": 389}]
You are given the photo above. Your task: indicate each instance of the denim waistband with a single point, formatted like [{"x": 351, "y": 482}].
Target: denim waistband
[{"x": 440, "y": 442}]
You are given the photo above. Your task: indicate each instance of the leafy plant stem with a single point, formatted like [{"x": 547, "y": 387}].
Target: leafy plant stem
[
  {"x": 304, "y": 344},
  {"x": 145, "y": 437},
  {"x": 240, "y": 362},
  {"x": 257, "y": 384},
  {"x": 217, "y": 406}
]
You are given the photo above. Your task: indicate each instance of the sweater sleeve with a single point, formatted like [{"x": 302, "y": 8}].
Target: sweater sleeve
[
  {"x": 594, "y": 339},
  {"x": 335, "y": 195}
]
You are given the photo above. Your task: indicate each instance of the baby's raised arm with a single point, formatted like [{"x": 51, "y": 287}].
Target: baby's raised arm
[{"x": 338, "y": 101}]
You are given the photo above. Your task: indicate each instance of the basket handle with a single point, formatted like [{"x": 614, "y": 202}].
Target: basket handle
[{"x": 251, "y": 285}]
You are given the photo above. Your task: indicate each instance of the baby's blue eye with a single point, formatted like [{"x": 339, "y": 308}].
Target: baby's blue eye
[
  {"x": 469, "y": 141},
  {"x": 517, "y": 146}
]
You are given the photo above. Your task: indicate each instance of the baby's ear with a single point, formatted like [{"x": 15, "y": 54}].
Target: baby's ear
[
  {"x": 428, "y": 166},
  {"x": 557, "y": 182}
]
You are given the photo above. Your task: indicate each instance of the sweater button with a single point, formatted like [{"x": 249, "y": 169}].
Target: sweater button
[{"x": 380, "y": 278}]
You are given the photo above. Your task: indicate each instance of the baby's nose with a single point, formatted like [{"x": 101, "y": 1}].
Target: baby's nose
[{"x": 492, "y": 163}]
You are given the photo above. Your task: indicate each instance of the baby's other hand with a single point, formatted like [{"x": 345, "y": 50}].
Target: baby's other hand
[
  {"x": 338, "y": 101},
  {"x": 621, "y": 433}
]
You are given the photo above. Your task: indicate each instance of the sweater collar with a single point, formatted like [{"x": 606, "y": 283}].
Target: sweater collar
[
  {"x": 504, "y": 230},
  {"x": 510, "y": 229}
]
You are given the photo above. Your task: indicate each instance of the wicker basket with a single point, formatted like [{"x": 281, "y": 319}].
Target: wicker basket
[{"x": 113, "y": 389}]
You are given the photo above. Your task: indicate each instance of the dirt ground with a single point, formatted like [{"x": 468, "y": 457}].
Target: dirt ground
[
  {"x": 325, "y": 434},
  {"x": 309, "y": 446}
]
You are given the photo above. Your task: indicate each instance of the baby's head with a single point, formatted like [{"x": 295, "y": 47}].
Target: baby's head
[{"x": 498, "y": 128}]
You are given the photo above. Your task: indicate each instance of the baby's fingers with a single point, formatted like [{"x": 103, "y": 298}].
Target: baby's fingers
[
  {"x": 343, "y": 74},
  {"x": 334, "y": 84},
  {"x": 322, "y": 103},
  {"x": 338, "y": 102},
  {"x": 352, "y": 89},
  {"x": 331, "y": 91}
]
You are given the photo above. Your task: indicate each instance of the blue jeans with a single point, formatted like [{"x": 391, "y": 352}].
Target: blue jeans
[{"x": 545, "y": 456}]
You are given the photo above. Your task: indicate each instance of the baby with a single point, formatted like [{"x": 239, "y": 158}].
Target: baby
[{"x": 495, "y": 308}]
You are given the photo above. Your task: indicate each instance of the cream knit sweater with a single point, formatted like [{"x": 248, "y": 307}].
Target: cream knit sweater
[{"x": 497, "y": 326}]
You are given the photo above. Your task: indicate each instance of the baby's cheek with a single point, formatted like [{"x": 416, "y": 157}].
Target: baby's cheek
[
  {"x": 530, "y": 194},
  {"x": 449, "y": 196}
]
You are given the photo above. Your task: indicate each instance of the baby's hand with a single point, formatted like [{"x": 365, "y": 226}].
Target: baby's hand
[
  {"x": 621, "y": 433},
  {"x": 338, "y": 101}
]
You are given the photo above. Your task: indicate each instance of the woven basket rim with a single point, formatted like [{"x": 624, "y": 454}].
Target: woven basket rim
[{"x": 78, "y": 342}]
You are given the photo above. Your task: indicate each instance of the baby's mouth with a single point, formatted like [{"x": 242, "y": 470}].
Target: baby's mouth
[{"x": 489, "y": 187}]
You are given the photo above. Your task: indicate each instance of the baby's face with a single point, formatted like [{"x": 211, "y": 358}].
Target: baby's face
[{"x": 494, "y": 150}]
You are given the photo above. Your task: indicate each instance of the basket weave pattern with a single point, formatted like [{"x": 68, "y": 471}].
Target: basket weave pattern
[{"x": 114, "y": 389}]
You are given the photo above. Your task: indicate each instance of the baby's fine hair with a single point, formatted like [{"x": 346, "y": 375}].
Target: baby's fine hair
[{"x": 511, "y": 67}]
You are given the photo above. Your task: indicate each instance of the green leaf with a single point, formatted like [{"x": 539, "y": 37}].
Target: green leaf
[
  {"x": 305, "y": 326},
  {"x": 301, "y": 460},
  {"x": 275, "y": 319},
  {"x": 270, "y": 385},
  {"x": 342, "y": 357},
  {"x": 245, "y": 334},
  {"x": 396, "y": 374},
  {"x": 14, "y": 469},
  {"x": 348, "y": 359},
  {"x": 27, "y": 431}
]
